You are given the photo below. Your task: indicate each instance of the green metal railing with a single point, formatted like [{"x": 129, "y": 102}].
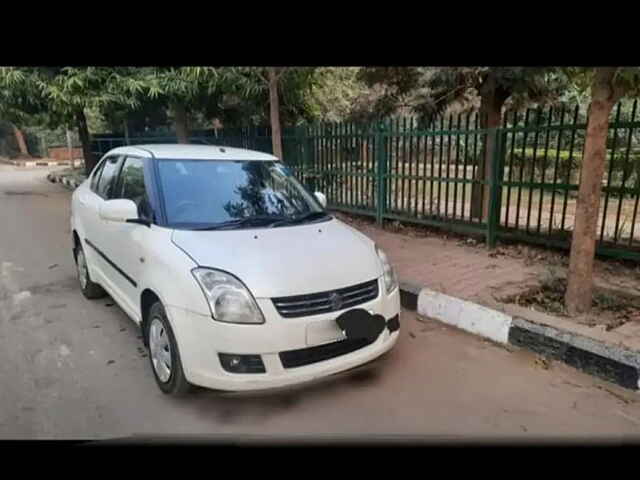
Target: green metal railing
[
  {"x": 398, "y": 171},
  {"x": 436, "y": 175},
  {"x": 394, "y": 170}
]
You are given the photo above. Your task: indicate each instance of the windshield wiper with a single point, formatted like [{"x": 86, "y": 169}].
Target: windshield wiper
[
  {"x": 265, "y": 221},
  {"x": 302, "y": 218},
  {"x": 256, "y": 221}
]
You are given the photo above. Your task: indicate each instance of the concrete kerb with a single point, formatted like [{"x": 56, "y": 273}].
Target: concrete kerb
[
  {"x": 36, "y": 163},
  {"x": 469, "y": 316},
  {"x": 409, "y": 294},
  {"x": 66, "y": 181},
  {"x": 614, "y": 363}
]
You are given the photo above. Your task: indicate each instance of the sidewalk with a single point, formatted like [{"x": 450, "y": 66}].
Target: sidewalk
[
  {"x": 458, "y": 281},
  {"x": 452, "y": 266},
  {"x": 463, "y": 267}
]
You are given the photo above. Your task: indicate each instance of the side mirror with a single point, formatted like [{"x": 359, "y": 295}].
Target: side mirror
[
  {"x": 321, "y": 198},
  {"x": 119, "y": 210}
]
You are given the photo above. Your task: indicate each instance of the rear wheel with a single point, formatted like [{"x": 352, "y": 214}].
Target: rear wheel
[
  {"x": 89, "y": 289},
  {"x": 164, "y": 354}
]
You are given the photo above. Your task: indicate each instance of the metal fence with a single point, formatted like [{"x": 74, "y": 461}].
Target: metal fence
[
  {"x": 233, "y": 138},
  {"x": 396, "y": 170},
  {"x": 38, "y": 140},
  {"x": 528, "y": 192}
]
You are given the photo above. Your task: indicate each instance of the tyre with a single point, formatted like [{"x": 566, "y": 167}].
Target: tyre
[
  {"x": 164, "y": 354},
  {"x": 89, "y": 289}
]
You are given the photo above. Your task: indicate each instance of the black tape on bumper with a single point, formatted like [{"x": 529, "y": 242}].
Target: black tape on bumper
[{"x": 393, "y": 324}]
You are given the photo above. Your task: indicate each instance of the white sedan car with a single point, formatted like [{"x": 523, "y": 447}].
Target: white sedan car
[{"x": 237, "y": 276}]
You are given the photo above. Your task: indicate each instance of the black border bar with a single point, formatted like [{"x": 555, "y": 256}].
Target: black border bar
[{"x": 106, "y": 259}]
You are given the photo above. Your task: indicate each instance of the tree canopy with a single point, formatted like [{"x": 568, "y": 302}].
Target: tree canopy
[{"x": 429, "y": 91}]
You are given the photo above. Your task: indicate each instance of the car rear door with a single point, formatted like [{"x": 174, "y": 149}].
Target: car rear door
[
  {"x": 83, "y": 207},
  {"x": 94, "y": 239}
]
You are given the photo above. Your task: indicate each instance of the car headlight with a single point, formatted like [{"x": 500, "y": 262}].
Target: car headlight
[
  {"x": 390, "y": 280},
  {"x": 229, "y": 300}
]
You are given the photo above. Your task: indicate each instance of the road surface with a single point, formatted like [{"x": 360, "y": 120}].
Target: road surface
[{"x": 75, "y": 368}]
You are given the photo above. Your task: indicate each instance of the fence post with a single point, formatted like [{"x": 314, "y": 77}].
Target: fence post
[
  {"x": 380, "y": 141},
  {"x": 495, "y": 189},
  {"x": 126, "y": 132},
  {"x": 299, "y": 141},
  {"x": 309, "y": 159}
]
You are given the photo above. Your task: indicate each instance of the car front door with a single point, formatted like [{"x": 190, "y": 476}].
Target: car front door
[{"x": 125, "y": 242}]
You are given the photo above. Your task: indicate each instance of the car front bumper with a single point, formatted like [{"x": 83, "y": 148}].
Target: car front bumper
[{"x": 200, "y": 340}]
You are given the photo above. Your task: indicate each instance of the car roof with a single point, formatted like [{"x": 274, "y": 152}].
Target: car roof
[{"x": 191, "y": 152}]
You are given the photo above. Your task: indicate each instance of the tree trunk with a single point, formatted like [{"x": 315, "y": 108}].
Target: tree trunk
[
  {"x": 70, "y": 149},
  {"x": 274, "y": 110},
  {"x": 492, "y": 98},
  {"x": 22, "y": 144},
  {"x": 85, "y": 139},
  {"x": 604, "y": 95},
  {"x": 180, "y": 122}
]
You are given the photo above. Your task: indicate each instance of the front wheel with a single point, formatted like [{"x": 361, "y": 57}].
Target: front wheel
[
  {"x": 89, "y": 289},
  {"x": 164, "y": 354}
]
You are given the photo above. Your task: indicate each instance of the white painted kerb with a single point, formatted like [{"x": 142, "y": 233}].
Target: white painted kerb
[{"x": 465, "y": 315}]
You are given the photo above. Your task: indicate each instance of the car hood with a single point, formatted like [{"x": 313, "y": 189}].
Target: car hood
[{"x": 283, "y": 261}]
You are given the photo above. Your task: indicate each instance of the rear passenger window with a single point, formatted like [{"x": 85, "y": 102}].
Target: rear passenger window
[{"x": 107, "y": 182}]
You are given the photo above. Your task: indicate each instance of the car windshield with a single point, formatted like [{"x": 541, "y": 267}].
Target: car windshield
[{"x": 212, "y": 194}]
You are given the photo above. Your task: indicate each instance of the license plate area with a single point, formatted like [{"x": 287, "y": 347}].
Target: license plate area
[{"x": 325, "y": 331}]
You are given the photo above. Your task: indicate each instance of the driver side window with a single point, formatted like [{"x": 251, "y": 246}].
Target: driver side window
[
  {"x": 132, "y": 186},
  {"x": 96, "y": 176},
  {"x": 107, "y": 182}
]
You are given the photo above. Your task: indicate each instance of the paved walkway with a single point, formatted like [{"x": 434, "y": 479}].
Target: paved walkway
[
  {"x": 462, "y": 268},
  {"x": 452, "y": 266}
]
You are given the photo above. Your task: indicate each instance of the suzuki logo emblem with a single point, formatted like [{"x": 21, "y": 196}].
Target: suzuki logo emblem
[{"x": 336, "y": 301}]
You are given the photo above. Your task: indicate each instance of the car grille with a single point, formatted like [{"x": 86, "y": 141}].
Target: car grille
[
  {"x": 307, "y": 356},
  {"x": 324, "y": 302}
]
